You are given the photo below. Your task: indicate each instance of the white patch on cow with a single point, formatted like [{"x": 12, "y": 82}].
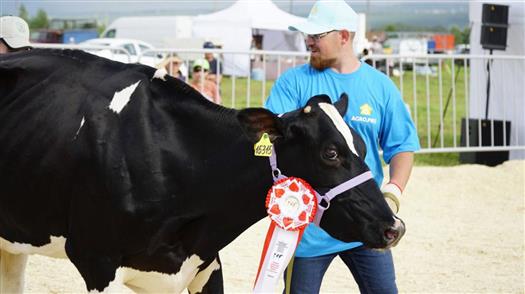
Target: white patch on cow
[
  {"x": 13, "y": 259},
  {"x": 340, "y": 124},
  {"x": 56, "y": 248},
  {"x": 121, "y": 99},
  {"x": 160, "y": 74},
  {"x": 133, "y": 279},
  {"x": 156, "y": 282},
  {"x": 117, "y": 285},
  {"x": 202, "y": 277},
  {"x": 81, "y": 124}
]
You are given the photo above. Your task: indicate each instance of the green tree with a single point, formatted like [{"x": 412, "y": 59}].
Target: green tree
[
  {"x": 101, "y": 28},
  {"x": 390, "y": 28},
  {"x": 22, "y": 13},
  {"x": 40, "y": 21},
  {"x": 466, "y": 35},
  {"x": 461, "y": 36},
  {"x": 458, "y": 34}
]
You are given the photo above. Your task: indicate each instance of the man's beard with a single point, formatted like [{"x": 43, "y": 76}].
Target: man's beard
[{"x": 321, "y": 63}]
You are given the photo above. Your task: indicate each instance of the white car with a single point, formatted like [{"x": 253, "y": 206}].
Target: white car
[{"x": 123, "y": 50}]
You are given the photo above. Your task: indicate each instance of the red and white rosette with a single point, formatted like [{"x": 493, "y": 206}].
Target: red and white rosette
[{"x": 291, "y": 204}]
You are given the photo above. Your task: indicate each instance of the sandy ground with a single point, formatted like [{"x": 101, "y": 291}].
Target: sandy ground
[{"x": 465, "y": 233}]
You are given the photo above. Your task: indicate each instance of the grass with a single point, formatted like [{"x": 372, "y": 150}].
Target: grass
[
  {"x": 244, "y": 98},
  {"x": 424, "y": 106}
]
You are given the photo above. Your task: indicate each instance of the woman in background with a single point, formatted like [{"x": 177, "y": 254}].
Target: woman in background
[
  {"x": 172, "y": 65},
  {"x": 200, "y": 82}
]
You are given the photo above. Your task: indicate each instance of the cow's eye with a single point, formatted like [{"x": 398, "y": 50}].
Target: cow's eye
[{"x": 330, "y": 154}]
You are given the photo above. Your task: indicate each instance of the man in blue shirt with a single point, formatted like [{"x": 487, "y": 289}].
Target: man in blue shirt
[{"x": 376, "y": 111}]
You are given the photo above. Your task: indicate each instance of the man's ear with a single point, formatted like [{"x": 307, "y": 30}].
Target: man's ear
[
  {"x": 342, "y": 104},
  {"x": 257, "y": 121},
  {"x": 346, "y": 36}
]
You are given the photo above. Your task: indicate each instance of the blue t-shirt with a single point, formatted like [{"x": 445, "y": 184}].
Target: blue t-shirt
[{"x": 375, "y": 110}]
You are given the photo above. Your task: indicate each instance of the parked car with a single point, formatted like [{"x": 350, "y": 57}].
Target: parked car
[
  {"x": 117, "y": 49},
  {"x": 160, "y": 31},
  {"x": 47, "y": 36},
  {"x": 66, "y": 31}
]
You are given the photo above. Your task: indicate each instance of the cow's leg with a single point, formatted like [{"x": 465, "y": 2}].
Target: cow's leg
[
  {"x": 12, "y": 267},
  {"x": 208, "y": 279},
  {"x": 98, "y": 271},
  {"x": 100, "y": 274}
]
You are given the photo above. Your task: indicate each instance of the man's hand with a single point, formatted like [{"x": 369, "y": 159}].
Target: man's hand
[{"x": 392, "y": 193}]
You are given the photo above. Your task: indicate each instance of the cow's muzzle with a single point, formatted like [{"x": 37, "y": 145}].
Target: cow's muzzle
[{"x": 393, "y": 234}]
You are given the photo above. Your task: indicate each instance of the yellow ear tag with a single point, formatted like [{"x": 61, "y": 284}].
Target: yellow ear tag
[{"x": 263, "y": 147}]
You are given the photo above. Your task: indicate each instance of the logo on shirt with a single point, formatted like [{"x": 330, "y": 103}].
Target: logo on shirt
[{"x": 366, "y": 111}]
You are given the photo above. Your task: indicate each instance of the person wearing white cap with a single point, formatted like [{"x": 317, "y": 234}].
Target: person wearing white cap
[
  {"x": 14, "y": 34},
  {"x": 376, "y": 111}
]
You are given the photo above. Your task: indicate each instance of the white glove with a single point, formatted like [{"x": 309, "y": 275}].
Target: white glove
[{"x": 392, "y": 194}]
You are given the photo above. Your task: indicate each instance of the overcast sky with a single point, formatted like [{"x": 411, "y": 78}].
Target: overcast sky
[{"x": 429, "y": 13}]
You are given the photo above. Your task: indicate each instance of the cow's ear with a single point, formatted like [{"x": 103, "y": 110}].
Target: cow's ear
[
  {"x": 257, "y": 121},
  {"x": 318, "y": 99},
  {"x": 342, "y": 104}
]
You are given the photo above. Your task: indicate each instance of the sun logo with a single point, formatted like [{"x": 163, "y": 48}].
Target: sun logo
[{"x": 365, "y": 109}]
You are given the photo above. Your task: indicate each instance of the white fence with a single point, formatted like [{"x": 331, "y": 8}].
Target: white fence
[{"x": 435, "y": 88}]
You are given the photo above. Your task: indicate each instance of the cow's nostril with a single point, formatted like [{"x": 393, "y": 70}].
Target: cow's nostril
[{"x": 391, "y": 235}]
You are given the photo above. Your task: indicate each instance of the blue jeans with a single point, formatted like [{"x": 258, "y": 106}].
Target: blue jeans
[{"x": 372, "y": 270}]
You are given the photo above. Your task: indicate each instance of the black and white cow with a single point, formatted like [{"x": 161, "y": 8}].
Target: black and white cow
[{"x": 142, "y": 180}]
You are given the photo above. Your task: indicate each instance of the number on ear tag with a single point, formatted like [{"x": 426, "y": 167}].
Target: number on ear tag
[{"x": 263, "y": 147}]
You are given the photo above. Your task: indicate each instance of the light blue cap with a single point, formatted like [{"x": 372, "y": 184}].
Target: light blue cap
[{"x": 328, "y": 15}]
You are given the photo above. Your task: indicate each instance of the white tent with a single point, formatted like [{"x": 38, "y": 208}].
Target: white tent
[
  {"x": 507, "y": 89},
  {"x": 160, "y": 31},
  {"x": 234, "y": 27}
]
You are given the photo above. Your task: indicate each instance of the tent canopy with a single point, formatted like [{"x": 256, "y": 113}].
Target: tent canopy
[
  {"x": 233, "y": 27},
  {"x": 263, "y": 14}
]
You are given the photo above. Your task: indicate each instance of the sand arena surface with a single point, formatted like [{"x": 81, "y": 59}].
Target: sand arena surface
[{"x": 465, "y": 233}]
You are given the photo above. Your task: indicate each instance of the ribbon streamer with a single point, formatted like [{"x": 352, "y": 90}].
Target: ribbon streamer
[{"x": 291, "y": 204}]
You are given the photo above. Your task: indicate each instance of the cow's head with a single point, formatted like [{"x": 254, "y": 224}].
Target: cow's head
[{"x": 315, "y": 144}]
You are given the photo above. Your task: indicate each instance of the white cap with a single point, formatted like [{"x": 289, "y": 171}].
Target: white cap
[
  {"x": 328, "y": 15},
  {"x": 14, "y": 31}
]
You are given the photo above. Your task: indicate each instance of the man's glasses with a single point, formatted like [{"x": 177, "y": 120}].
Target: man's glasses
[
  {"x": 318, "y": 37},
  {"x": 198, "y": 68}
]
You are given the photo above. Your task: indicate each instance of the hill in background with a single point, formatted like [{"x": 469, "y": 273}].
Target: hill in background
[{"x": 410, "y": 15}]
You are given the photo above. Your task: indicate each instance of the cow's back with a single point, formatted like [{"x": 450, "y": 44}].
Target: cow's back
[{"x": 48, "y": 152}]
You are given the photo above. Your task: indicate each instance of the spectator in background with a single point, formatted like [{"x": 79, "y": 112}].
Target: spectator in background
[
  {"x": 14, "y": 34},
  {"x": 172, "y": 65},
  {"x": 215, "y": 69},
  {"x": 200, "y": 82},
  {"x": 376, "y": 47}
]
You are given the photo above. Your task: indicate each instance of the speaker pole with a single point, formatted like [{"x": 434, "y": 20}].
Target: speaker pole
[{"x": 489, "y": 60}]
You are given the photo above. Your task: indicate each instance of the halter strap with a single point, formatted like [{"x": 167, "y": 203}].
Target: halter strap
[
  {"x": 343, "y": 187},
  {"x": 323, "y": 201},
  {"x": 276, "y": 172}
]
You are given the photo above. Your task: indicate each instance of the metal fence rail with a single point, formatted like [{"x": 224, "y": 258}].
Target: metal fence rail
[
  {"x": 448, "y": 117},
  {"x": 436, "y": 89}
]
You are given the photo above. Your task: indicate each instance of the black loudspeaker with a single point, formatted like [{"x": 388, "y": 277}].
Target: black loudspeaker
[
  {"x": 490, "y": 158},
  {"x": 495, "y": 14},
  {"x": 495, "y": 21},
  {"x": 494, "y": 38}
]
